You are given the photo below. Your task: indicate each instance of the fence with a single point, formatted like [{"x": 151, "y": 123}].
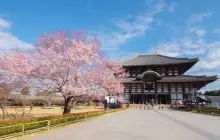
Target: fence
[{"x": 25, "y": 128}]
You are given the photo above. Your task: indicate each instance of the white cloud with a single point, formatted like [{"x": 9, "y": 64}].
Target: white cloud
[
  {"x": 198, "y": 31},
  {"x": 8, "y": 41},
  {"x": 209, "y": 52},
  {"x": 4, "y": 24},
  {"x": 182, "y": 46},
  {"x": 217, "y": 31},
  {"x": 130, "y": 27},
  {"x": 170, "y": 49},
  {"x": 198, "y": 17}
]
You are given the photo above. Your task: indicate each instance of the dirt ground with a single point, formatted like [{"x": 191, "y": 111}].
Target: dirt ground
[{"x": 45, "y": 111}]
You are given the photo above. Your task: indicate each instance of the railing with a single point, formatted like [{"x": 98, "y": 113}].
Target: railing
[{"x": 25, "y": 128}]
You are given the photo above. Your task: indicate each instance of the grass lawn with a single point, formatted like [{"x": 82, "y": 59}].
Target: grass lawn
[{"x": 45, "y": 111}]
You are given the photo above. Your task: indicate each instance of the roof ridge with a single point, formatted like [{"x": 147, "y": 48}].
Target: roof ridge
[
  {"x": 194, "y": 75},
  {"x": 168, "y": 56},
  {"x": 177, "y": 57}
]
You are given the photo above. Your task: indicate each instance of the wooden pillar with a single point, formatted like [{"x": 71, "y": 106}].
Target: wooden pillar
[
  {"x": 169, "y": 93},
  {"x": 136, "y": 72},
  {"x": 129, "y": 71},
  {"x": 131, "y": 93},
  {"x": 189, "y": 87},
  {"x": 183, "y": 88},
  {"x": 142, "y": 92},
  {"x": 136, "y": 88},
  {"x": 166, "y": 95},
  {"x": 176, "y": 90},
  {"x": 139, "y": 95},
  {"x": 178, "y": 70},
  {"x": 156, "y": 96},
  {"x": 166, "y": 71},
  {"x": 172, "y": 71}
]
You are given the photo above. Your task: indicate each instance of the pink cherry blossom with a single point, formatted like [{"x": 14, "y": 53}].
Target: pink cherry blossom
[{"x": 73, "y": 65}]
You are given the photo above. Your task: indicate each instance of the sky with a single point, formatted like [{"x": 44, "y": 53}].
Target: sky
[{"x": 174, "y": 28}]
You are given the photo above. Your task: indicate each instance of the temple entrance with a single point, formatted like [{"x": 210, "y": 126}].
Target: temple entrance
[
  {"x": 143, "y": 98},
  {"x": 136, "y": 99},
  {"x": 162, "y": 99}
]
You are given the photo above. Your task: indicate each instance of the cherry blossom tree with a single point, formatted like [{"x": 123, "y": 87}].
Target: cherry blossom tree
[
  {"x": 70, "y": 64},
  {"x": 108, "y": 78}
]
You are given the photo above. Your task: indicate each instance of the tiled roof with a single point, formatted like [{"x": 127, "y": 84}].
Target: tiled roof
[{"x": 150, "y": 60}]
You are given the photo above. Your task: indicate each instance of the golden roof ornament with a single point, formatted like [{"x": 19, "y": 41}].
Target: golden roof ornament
[
  {"x": 137, "y": 54},
  {"x": 156, "y": 53}
]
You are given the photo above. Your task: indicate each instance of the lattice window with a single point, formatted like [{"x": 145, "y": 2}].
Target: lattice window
[
  {"x": 186, "y": 88},
  {"x": 126, "y": 89},
  {"x": 179, "y": 88},
  {"x": 133, "y": 88},
  {"x": 149, "y": 86},
  {"x": 173, "y": 96},
  {"x": 190, "y": 87},
  {"x": 159, "y": 88},
  {"x": 165, "y": 87},
  {"x": 180, "y": 96},
  {"x": 139, "y": 88},
  {"x": 173, "y": 88}
]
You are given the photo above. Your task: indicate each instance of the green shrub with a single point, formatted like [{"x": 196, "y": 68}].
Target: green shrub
[
  {"x": 31, "y": 126},
  {"x": 10, "y": 130},
  {"x": 216, "y": 112},
  {"x": 41, "y": 122},
  {"x": 210, "y": 108}
]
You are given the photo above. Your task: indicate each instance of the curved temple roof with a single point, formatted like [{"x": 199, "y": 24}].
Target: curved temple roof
[{"x": 149, "y": 60}]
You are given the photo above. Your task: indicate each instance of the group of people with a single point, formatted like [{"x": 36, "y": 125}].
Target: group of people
[
  {"x": 145, "y": 106},
  {"x": 161, "y": 107}
]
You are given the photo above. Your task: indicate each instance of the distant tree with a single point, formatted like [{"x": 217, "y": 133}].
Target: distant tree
[
  {"x": 213, "y": 93},
  {"x": 25, "y": 91},
  {"x": 5, "y": 91},
  {"x": 46, "y": 93}
]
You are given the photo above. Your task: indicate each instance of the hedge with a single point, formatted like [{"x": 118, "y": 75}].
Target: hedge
[
  {"x": 215, "y": 112},
  {"x": 211, "y": 111},
  {"x": 209, "y": 108},
  {"x": 15, "y": 126}
]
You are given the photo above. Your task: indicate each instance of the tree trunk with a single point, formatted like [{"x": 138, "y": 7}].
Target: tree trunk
[
  {"x": 67, "y": 105},
  {"x": 3, "y": 112}
]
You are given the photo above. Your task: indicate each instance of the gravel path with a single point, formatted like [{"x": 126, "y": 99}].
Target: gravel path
[{"x": 136, "y": 124}]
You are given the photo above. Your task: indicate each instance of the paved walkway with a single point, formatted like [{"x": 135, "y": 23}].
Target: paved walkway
[{"x": 135, "y": 124}]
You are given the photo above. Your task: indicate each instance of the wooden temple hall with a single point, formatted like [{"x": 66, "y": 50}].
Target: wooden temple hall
[{"x": 160, "y": 79}]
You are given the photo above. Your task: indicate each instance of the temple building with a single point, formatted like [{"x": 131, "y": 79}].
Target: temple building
[{"x": 161, "y": 79}]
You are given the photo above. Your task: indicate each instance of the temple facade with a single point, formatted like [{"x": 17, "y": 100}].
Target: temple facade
[{"x": 161, "y": 79}]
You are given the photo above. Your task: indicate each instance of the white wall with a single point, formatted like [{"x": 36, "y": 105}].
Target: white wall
[{"x": 110, "y": 99}]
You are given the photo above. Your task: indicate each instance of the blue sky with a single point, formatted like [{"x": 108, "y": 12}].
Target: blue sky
[{"x": 175, "y": 28}]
